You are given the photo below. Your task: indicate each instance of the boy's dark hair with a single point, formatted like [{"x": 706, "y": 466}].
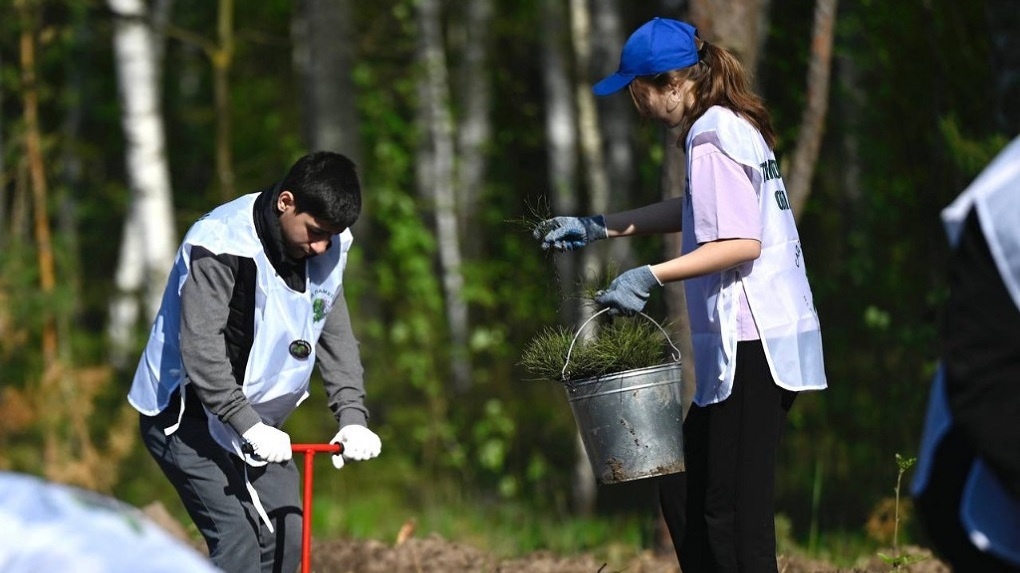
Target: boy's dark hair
[{"x": 325, "y": 185}]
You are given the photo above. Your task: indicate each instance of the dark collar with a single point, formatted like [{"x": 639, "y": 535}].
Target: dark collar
[{"x": 267, "y": 225}]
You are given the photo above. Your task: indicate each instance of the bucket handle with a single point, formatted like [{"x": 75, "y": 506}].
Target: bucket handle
[{"x": 676, "y": 351}]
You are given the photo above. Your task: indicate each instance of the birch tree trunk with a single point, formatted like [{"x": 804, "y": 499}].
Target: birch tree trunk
[
  {"x": 561, "y": 137},
  {"x": 812, "y": 123},
  {"x": 596, "y": 179},
  {"x": 616, "y": 120},
  {"x": 475, "y": 125},
  {"x": 148, "y": 241},
  {"x": 436, "y": 179}
]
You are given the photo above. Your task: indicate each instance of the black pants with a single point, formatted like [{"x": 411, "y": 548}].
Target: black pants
[
  {"x": 982, "y": 360},
  {"x": 721, "y": 513}
]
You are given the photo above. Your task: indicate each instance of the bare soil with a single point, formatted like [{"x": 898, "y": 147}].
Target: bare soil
[{"x": 433, "y": 554}]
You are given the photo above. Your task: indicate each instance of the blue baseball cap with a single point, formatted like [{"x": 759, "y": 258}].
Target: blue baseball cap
[{"x": 660, "y": 45}]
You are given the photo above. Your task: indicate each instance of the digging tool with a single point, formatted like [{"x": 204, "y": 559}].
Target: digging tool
[{"x": 309, "y": 450}]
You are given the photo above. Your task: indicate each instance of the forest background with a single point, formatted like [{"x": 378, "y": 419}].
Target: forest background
[{"x": 123, "y": 121}]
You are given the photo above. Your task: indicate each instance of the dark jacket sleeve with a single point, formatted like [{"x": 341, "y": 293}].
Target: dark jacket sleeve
[
  {"x": 339, "y": 359},
  {"x": 205, "y": 307}
]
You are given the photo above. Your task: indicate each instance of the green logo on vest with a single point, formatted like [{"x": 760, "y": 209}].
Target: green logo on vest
[{"x": 318, "y": 309}]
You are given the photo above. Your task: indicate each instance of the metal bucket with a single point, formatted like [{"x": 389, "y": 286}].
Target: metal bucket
[{"x": 631, "y": 423}]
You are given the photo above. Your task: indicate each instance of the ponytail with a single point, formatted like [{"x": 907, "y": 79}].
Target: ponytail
[{"x": 720, "y": 79}]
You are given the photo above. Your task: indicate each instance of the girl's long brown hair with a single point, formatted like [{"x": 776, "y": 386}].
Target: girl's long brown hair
[{"x": 719, "y": 79}]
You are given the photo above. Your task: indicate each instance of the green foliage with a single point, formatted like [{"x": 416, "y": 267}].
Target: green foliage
[
  {"x": 896, "y": 152},
  {"x": 903, "y": 138},
  {"x": 621, "y": 344}
]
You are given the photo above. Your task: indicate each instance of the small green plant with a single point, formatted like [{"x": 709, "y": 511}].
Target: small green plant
[
  {"x": 897, "y": 560},
  {"x": 620, "y": 344},
  {"x": 612, "y": 345}
]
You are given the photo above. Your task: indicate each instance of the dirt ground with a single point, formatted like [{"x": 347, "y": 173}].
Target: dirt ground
[
  {"x": 436, "y": 555},
  {"x": 433, "y": 554}
]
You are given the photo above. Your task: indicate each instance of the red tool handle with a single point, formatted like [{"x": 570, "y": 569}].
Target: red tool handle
[
  {"x": 306, "y": 518},
  {"x": 317, "y": 448}
]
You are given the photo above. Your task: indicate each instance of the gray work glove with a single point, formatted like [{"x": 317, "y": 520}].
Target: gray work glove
[
  {"x": 628, "y": 293},
  {"x": 569, "y": 233}
]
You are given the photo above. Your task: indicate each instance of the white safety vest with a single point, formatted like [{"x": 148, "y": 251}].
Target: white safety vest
[
  {"x": 775, "y": 283},
  {"x": 988, "y": 512},
  {"x": 275, "y": 381}
]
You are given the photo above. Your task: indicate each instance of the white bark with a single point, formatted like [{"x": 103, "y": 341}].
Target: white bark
[
  {"x": 475, "y": 125},
  {"x": 616, "y": 119},
  {"x": 598, "y": 193},
  {"x": 149, "y": 238},
  {"x": 561, "y": 138},
  {"x": 437, "y": 173}
]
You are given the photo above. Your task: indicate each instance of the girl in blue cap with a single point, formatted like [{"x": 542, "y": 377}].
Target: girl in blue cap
[{"x": 754, "y": 329}]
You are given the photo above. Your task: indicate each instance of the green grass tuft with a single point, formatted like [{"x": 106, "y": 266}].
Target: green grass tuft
[{"x": 618, "y": 345}]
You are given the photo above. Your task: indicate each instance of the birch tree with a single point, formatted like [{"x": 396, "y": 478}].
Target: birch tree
[
  {"x": 148, "y": 239},
  {"x": 596, "y": 180},
  {"x": 561, "y": 138},
  {"x": 475, "y": 125},
  {"x": 436, "y": 180},
  {"x": 616, "y": 119}
]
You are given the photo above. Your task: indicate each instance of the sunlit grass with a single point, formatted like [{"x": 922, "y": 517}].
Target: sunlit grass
[{"x": 358, "y": 506}]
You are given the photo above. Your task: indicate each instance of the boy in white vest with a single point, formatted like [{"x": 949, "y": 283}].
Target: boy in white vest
[
  {"x": 254, "y": 301},
  {"x": 754, "y": 328}
]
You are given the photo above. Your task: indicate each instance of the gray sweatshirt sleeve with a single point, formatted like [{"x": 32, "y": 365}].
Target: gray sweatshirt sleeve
[
  {"x": 339, "y": 359},
  {"x": 205, "y": 301}
]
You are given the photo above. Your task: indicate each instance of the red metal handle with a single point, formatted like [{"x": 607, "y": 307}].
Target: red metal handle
[
  {"x": 317, "y": 448},
  {"x": 306, "y": 518}
]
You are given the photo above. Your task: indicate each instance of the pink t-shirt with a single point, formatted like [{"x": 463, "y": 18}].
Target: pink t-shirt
[{"x": 726, "y": 208}]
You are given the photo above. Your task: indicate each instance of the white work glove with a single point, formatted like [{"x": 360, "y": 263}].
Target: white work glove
[
  {"x": 359, "y": 443},
  {"x": 268, "y": 443}
]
